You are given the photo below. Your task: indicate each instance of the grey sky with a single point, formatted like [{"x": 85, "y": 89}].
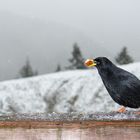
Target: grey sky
[{"x": 111, "y": 24}]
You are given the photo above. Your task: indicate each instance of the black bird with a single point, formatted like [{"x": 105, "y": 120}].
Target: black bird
[{"x": 123, "y": 86}]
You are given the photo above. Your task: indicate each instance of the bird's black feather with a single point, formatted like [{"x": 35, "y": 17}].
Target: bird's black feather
[{"x": 123, "y": 86}]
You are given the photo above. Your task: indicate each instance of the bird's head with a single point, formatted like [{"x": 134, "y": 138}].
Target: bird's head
[{"x": 99, "y": 62}]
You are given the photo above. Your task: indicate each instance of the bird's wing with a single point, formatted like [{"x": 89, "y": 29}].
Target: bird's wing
[{"x": 131, "y": 92}]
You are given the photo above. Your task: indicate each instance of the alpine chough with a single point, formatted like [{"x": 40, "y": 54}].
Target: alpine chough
[{"x": 123, "y": 86}]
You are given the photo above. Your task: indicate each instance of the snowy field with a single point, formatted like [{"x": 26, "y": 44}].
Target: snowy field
[{"x": 71, "y": 91}]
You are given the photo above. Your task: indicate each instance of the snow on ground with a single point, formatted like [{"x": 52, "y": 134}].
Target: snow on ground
[
  {"x": 62, "y": 92},
  {"x": 73, "y": 116}
]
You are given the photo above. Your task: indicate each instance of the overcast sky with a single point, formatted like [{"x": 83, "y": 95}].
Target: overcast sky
[{"x": 112, "y": 24}]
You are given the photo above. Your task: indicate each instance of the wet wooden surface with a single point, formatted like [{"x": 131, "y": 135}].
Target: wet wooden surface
[
  {"x": 100, "y": 126},
  {"x": 66, "y": 124},
  {"x": 86, "y": 130}
]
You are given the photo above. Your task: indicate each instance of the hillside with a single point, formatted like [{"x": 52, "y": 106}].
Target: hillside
[{"x": 70, "y": 91}]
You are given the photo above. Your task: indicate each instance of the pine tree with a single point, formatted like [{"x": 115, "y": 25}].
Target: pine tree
[
  {"x": 77, "y": 58},
  {"x": 27, "y": 71},
  {"x": 58, "y": 68},
  {"x": 123, "y": 57}
]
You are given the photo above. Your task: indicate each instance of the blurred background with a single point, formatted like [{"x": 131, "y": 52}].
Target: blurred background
[
  {"x": 39, "y": 37},
  {"x": 45, "y": 31}
]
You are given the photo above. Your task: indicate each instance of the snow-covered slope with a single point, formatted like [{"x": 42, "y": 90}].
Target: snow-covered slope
[{"x": 70, "y": 91}]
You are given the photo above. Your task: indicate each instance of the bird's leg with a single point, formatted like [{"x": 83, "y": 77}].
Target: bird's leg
[{"x": 122, "y": 109}]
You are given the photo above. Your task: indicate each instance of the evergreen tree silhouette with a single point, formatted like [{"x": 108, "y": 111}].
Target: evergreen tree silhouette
[
  {"x": 77, "y": 58},
  {"x": 123, "y": 57},
  {"x": 27, "y": 71}
]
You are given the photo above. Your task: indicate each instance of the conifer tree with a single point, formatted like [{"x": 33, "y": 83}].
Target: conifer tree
[
  {"x": 123, "y": 57},
  {"x": 77, "y": 58},
  {"x": 27, "y": 71},
  {"x": 58, "y": 68}
]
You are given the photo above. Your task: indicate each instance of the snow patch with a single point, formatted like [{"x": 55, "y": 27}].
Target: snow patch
[{"x": 62, "y": 92}]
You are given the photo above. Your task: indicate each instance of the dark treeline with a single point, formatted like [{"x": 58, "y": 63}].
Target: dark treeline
[{"x": 76, "y": 61}]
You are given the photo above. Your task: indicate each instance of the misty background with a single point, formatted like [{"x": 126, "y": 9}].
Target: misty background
[{"x": 45, "y": 31}]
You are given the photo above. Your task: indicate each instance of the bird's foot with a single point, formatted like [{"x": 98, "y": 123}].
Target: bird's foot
[{"x": 122, "y": 109}]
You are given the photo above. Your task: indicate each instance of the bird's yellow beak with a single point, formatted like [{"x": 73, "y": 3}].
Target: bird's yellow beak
[{"x": 90, "y": 63}]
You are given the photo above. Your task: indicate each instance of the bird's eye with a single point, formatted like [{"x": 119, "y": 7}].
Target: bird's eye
[{"x": 97, "y": 62}]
